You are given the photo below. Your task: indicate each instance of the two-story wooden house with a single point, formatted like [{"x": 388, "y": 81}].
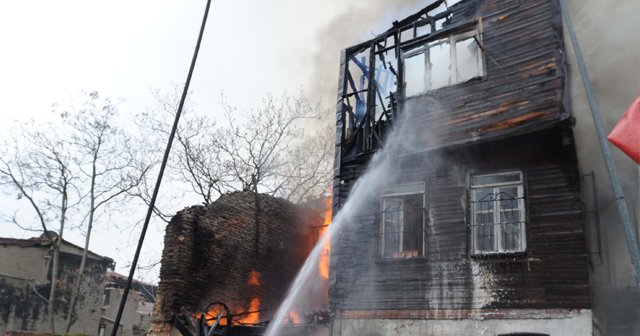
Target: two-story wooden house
[{"x": 477, "y": 227}]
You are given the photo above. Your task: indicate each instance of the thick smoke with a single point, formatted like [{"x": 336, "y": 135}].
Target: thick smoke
[
  {"x": 608, "y": 35},
  {"x": 605, "y": 30},
  {"x": 357, "y": 22}
]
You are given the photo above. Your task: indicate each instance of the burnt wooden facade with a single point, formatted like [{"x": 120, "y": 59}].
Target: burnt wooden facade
[
  {"x": 513, "y": 117},
  {"x": 552, "y": 273}
]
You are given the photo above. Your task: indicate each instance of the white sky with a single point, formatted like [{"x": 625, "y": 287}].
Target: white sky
[{"x": 51, "y": 50}]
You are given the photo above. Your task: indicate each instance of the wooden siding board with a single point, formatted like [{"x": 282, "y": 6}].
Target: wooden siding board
[
  {"x": 513, "y": 118},
  {"x": 551, "y": 274},
  {"x": 522, "y": 43}
]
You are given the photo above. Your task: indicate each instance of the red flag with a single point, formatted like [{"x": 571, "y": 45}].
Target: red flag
[{"x": 626, "y": 134}]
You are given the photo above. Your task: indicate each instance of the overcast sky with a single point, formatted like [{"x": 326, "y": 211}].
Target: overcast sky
[{"x": 51, "y": 50}]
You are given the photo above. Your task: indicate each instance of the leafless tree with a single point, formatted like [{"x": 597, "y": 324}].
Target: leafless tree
[
  {"x": 306, "y": 171},
  {"x": 191, "y": 137},
  {"x": 83, "y": 160},
  {"x": 108, "y": 167},
  {"x": 266, "y": 147},
  {"x": 38, "y": 166},
  {"x": 257, "y": 145}
]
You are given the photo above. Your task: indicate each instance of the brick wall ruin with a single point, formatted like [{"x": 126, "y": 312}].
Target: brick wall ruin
[{"x": 210, "y": 254}]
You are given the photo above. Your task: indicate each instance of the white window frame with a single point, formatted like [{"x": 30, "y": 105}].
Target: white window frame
[
  {"x": 498, "y": 246},
  {"x": 451, "y": 39},
  {"x": 396, "y": 191}
]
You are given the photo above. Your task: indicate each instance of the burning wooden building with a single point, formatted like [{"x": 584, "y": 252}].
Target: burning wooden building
[
  {"x": 478, "y": 223},
  {"x": 242, "y": 250}
]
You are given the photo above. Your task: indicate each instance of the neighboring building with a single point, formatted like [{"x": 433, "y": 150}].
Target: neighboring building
[
  {"x": 137, "y": 311},
  {"x": 478, "y": 225},
  {"x": 25, "y": 282}
]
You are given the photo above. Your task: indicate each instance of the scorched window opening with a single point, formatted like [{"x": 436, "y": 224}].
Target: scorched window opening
[
  {"x": 442, "y": 62},
  {"x": 402, "y": 223}
]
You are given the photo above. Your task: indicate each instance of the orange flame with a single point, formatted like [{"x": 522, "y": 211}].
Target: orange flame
[
  {"x": 254, "y": 306},
  {"x": 294, "y": 317},
  {"x": 328, "y": 202},
  {"x": 213, "y": 313},
  {"x": 323, "y": 264},
  {"x": 253, "y": 316},
  {"x": 254, "y": 279}
]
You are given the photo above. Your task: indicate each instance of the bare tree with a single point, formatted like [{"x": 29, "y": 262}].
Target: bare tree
[
  {"x": 155, "y": 125},
  {"x": 37, "y": 165},
  {"x": 265, "y": 147},
  {"x": 199, "y": 159},
  {"x": 82, "y": 161},
  {"x": 257, "y": 145},
  {"x": 108, "y": 167},
  {"x": 306, "y": 170}
]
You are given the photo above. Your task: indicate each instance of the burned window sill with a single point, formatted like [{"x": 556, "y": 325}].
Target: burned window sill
[
  {"x": 411, "y": 260},
  {"x": 436, "y": 93},
  {"x": 501, "y": 255}
]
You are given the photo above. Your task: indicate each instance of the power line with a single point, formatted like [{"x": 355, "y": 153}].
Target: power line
[{"x": 127, "y": 287}]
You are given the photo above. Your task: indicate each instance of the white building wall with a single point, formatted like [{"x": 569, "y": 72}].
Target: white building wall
[
  {"x": 576, "y": 323},
  {"x": 29, "y": 263}
]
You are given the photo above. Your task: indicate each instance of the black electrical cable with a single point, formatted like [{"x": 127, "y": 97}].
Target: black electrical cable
[{"x": 127, "y": 287}]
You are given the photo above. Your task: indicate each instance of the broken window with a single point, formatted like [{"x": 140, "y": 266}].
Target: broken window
[
  {"x": 438, "y": 72},
  {"x": 447, "y": 61},
  {"x": 402, "y": 222},
  {"x": 423, "y": 29},
  {"x": 498, "y": 213},
  {"x": 358, "y": 85},
  {"x": 467, "y": 59},
  {"x": 414, "y": 72},
  {"x": 384, "y": 78}
]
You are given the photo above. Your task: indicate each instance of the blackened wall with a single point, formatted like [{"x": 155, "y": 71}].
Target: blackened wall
[
  {"x": 522, "y": 89},
  {"x": 523, "y": 54},
  {"x": 553, "y": 273}
]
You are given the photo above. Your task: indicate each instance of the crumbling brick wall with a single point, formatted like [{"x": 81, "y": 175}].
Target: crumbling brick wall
[{"x": 210, "y": 253}]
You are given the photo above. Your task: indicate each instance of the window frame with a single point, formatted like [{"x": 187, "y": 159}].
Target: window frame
[
  {"x": 497, "y": 225},
  {"x": 397, "y": 191},
  {"x": 451, "y": 38}
]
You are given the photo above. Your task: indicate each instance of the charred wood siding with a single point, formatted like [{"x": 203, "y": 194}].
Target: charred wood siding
[
  {"x": 521, "y": 91},
  {"x": 552, "y": 273},
  {"x": 524, "y": 81}
]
